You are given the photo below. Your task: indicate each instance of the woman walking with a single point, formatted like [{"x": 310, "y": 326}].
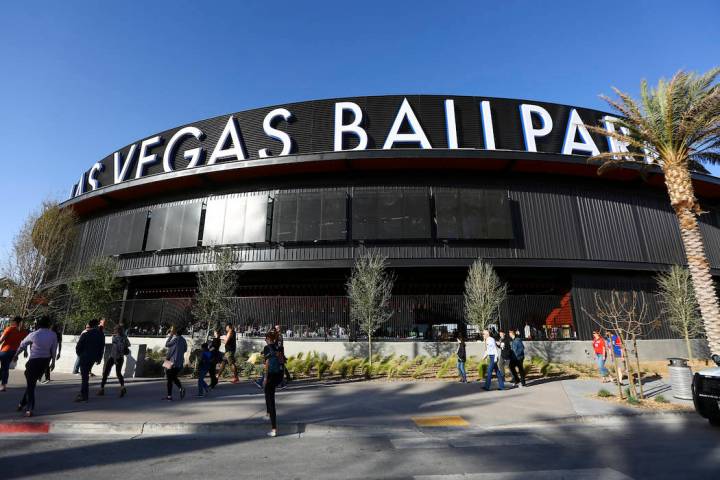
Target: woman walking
[
  {"x": 461, "y": 359},
  {"x": 10, "y": 341},
  {"x": 174, "y": 360},
  {"x": 118, "y": 349},
  {"x": 273, "y": 376},
  {"x": 600, "y": 350},
  {"x": 43, "y": 347}
]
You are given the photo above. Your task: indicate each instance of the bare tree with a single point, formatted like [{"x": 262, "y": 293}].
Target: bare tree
[
  {"x": 484, "y": 293},
  {"x": 369, "y": 289},
  {"x": 625, "y": 314},
  {"x": 93, "y": 292},
  {"x": 676, "y": 294},
  {"x": 37, "y": 251},
  {"x": 212, "y": 302}
]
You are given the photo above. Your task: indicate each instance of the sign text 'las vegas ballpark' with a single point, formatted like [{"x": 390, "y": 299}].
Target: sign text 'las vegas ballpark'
[{"x": 356, "y": 124}]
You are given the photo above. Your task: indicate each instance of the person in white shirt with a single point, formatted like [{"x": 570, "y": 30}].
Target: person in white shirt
[
  {"x": 491, "y": 352},
  {"x": 43, "y": 345}
]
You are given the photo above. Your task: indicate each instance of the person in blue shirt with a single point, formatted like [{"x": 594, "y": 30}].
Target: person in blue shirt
[
  {"x": 616, "y": 343},
  {"x": 205, "y": 363},
  {"x": 517, "y": 357}
]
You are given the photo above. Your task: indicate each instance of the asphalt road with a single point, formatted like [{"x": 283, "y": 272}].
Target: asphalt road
[{"x": 639, "y": 448}]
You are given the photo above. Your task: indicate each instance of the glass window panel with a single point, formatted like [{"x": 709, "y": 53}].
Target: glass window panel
[
  {"x": 472, "y": 214},
  {"x": 391, "y": 214}
]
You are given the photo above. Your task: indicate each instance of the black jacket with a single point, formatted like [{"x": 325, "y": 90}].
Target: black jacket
[
  {"x": 505, "y": 350},
  {"x": 91, "y": 346},
  {"x": 461, "y": 352}
]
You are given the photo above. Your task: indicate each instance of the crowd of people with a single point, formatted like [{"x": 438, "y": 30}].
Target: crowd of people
[{"x": 501, "y": 351}]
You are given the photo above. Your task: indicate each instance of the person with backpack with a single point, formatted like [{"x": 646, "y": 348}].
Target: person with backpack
[
  {"x": 461, "y": 359},
  {"x": 204, "y": 363},
  {"x": 90, "y": 350},
  {"x": 119, "y": 348},
  {"x": 272, "y": 376},
  {"x": 517, "y": 357}
]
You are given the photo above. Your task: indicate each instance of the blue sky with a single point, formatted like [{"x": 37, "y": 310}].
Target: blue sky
[{"x": 83, "y": 78}]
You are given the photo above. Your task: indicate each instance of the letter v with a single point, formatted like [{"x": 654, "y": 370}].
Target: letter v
[{"x": 120, "y": 172}]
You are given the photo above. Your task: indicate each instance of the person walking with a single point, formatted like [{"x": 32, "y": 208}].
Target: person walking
[
  {"x": 76, "y": 367},
  {"x": 230, "y": 349},
  {"x": 43, "y": 348},
  {"x": 504, "y": 350},
  {"x": 283, "y": 360},
  {"x": 174, "y": 361},
  {"x": 9, "y": 345},
  {"x": 272, "y": 376},
  {"x": 119, "y": 348},
  {"x": 58, "y": 332},
  {"x": 90, "y": 349},
  {"x": 600, "y": 350},
  {"x": 216, "y": 355},
  {"x": 517, "y": 357},
  {"x": 615, "y": 344},
  {"x": 461, "y": 359},
  {"x": 204, "y": 362},
  {"x": 491, "y": 353}
]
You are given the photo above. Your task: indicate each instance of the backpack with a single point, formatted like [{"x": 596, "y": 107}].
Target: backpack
[
  {"x": 274, "y": 362},
  {"x": 126, "y": 346}
]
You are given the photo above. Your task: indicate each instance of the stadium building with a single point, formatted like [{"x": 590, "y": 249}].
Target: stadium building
[{"x": 298, "y": 191}]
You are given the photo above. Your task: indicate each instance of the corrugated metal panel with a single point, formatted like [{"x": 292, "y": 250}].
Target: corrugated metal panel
[
  {"x": 586, "y": 286},
  {"x": 609, "y": 227},
  {"x": 710, "y": 228}
]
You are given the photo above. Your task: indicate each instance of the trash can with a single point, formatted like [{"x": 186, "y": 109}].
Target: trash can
[{"x": 681, "y": 378}]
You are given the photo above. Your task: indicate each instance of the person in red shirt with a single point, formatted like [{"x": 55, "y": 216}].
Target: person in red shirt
[
  {"x": 10, "y": 342},
  {"x": 600, "y": 356}
]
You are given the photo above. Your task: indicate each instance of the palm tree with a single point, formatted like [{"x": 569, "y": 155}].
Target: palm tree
[{"x": 675, "y": 126}]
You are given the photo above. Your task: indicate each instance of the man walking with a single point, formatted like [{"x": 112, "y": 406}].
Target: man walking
[
  {"x": 281, "y": 356},
  {"x": 517, "y": 357},
  {"x": 491, "y": 352},
  {"x": 90, "y": 349},
  {"x": 230, "y": 349},
  {"x": 505, "y": 352}
]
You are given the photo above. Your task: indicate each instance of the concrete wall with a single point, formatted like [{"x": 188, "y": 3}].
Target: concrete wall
[
  {"x": 558, "y": 351},
  {"x": 132, "y": 367}
]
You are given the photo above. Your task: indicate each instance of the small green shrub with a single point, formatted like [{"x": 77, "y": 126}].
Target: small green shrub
[
  {"x": 630, "y": 398},
  {"x": 419, "y": 370},
  {"x": 603, "y": 393},
  {"x": 661, "y": 399}
]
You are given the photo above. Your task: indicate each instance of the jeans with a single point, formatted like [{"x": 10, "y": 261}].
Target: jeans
[
  {"x": 492, "y": 366},
  {"x": 600, "y": 358},
  {"x": 172, "y": 378},
  {"x": 5, "y": 360},
  {"x": 461, "y": 371},
  {"x": 34, "y": 369},
  {"x": 85, "y": 367},
  {"x": 515, "y": 365},
  {"x": 118, "y": 370},
  {"x": 273, "y": 381},
  {"x": 202, "y": 386}
]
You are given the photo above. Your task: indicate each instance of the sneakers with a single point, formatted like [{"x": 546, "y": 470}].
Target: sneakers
[
  {"x": 167, "y": 399},
  {"x": 44, "y": 382},
  {"x": 200, "y": 395},
  {"x": 182, "y": 393},
  {"x": 123, "y": 392},
  {"x": 272, "y": 433},
  {"x": 101, "y": 392},
  {"x": 3, "y": 388},
  {"x": 80, "y": 399},
  {"x": 258, "y": 384}
]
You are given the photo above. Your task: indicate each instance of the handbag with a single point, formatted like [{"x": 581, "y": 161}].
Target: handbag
[{"x": 168, "y": 364}]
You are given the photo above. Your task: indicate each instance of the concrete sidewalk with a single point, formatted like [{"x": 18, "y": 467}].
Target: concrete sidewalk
[{"x": 380, "y": 405}]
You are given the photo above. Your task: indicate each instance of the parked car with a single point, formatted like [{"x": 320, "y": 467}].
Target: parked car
[{"x": 706, "y": 392}]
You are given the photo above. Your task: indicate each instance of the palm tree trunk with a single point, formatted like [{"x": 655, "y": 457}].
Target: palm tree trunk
[{"x": 682, "y": 199}]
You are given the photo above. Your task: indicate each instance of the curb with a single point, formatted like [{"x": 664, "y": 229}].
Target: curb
[{"x": 293, "y": 428}]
